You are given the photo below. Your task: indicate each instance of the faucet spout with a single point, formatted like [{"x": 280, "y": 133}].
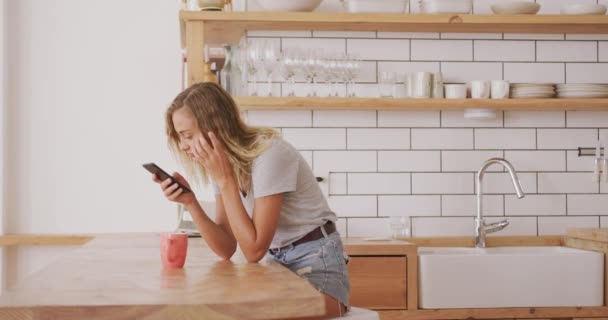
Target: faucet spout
[{"x": 481, "y": 228}]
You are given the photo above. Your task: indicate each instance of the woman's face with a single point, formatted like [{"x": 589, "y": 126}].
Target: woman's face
[{"x": 187, "y": 129}]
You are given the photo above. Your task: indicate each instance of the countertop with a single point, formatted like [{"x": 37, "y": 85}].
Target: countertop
[
  {"x": 121, "y": 277},
  {"x": 593, "y": 234}
]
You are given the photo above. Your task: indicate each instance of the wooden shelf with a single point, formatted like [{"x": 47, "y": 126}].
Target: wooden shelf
[
  {"x": 228, "y": 27},
  {"x": 295, "y": 103}
]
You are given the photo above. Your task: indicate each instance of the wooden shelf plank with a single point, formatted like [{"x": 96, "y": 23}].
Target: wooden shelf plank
[
  {"x": 291, "y": 103},
  {"x": 228, "y": 27}
]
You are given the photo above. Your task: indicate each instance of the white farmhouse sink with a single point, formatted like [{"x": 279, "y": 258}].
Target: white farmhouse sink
[{"x": 509, "y": 277}]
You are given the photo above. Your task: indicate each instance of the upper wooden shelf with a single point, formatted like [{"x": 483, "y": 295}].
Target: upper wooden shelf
[
  {"x": 304, "y": 103},
  {"x": 228, "y": 27}
]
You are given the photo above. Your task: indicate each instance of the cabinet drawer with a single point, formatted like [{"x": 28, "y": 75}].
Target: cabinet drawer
[{"x": 378, "y": 282}]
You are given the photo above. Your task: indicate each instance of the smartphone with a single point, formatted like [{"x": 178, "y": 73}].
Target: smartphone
[{"x": 162, "y": 175}]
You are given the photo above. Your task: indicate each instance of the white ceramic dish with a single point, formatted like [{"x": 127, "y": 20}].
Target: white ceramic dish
[
  {"x": 582, "y": 95},
  {"x": 291, "y": 5},
  {"x": 446, "y": 6},
  {"x": 376, "y": 6},
  {"x": 583, "y": 9},
  {"x": 519, "y": 7}
]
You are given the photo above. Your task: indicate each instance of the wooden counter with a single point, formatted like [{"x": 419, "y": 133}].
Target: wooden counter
[{"x": 120, "y": 277}]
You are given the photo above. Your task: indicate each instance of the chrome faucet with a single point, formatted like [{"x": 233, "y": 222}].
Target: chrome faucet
[{"x": 481, "y": 228}]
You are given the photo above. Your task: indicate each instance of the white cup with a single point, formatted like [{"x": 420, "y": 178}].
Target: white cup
[
  {"x": 455, "y": 91},
  {"x": 386, "y": 84},
  {"x": 407, "y": 84},
  {"x": 421, "y": 84},
  {"x": 480, "y": 89},
  {"x": 500, "y": 89}
]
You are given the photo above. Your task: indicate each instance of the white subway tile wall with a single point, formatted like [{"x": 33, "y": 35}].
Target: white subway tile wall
[
  {"x": 466, "y": 205},
  {"x": 422, "y": 164},
  {"x": 535, "y": 119},
  {"x": 566, "y": 51},
  {"x": 337, "y": 183}
]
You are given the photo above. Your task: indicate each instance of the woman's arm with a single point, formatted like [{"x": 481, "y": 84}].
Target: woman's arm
[
  {"x": 253, "y": 235},
  {"x": 217, "y": 234}
]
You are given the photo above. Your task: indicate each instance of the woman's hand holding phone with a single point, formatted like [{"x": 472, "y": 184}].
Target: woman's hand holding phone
[{"x": 172, "y": 190}]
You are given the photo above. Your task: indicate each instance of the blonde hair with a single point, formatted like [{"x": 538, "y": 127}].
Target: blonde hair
[{"x": 214, "y": 110}]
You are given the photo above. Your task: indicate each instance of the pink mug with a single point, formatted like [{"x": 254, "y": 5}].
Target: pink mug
[{"x": 173, "y": 249}]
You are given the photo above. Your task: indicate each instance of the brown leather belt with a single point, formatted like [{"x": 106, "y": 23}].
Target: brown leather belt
[{"x": 315, "y": 234}]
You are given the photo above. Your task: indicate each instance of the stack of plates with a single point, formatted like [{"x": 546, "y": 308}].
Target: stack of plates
[
  {"x": 532, "y": 90},
  {"x": 582, "y": 90}
]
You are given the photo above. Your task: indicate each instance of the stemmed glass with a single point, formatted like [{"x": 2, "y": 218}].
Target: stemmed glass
[
  {"x": 312, "y": 67},
  {"x": 253, "y": 60},
  {"x": 291, "y": 62},
  {"x": 270, "y": 60},
  {"x": 352, "y": 67}
]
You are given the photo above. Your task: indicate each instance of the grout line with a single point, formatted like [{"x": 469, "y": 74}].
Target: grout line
[
  {"x": 346, "y": 174},
  {"x": 346, "y": 138},
  {"x": 410, "y": 50},
  {"x": 473, "y": 50},
  {"x": 377, "y": 206},
  {"x": 377, "y": 160}
]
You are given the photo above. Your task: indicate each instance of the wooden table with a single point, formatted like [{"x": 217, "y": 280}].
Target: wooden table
[{"x": 121, "y": 277}]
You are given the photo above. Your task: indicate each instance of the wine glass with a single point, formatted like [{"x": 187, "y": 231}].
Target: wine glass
[
  {"x": 312, "y": 67},
  {"x": 270, "y": 60},
  {"x": 254, "y": 57},
  {"x": 352, "y": 69},
  {"x": 290, "y": 63}
]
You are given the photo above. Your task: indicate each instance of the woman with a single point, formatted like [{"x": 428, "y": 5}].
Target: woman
[{"x": 267, "y": 199}]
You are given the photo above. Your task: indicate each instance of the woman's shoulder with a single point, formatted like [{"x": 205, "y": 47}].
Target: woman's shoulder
[{"x": 277, "y": 146}]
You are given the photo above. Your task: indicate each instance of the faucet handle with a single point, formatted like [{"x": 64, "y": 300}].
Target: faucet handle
[{"x": 497, "y": 226}]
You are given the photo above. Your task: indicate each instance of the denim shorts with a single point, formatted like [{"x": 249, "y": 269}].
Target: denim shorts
[{"x": 322, "y": 262}]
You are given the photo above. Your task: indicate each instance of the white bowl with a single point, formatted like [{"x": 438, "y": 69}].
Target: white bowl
[
  {"x": 446, "y": 6},
  {"x": 583, "y": 9},
  {"x": 376, "y": 6},
  {"x": 289, "y": 5},
  {"x": 519, "y": 7}
]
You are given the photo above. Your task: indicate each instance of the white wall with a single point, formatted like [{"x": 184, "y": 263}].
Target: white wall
[
  {"x": 2, "y": 129},
  {"x": 89, "y": 81},
  {"x": 88, "y": 85},
  {"x": 422, "y": 164}
]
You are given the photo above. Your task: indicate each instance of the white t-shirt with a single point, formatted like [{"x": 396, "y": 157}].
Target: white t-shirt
[{"x": 282, "y": 169}]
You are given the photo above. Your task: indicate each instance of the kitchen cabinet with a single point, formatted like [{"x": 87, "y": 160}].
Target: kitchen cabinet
[
  {"x": 200, "y": 28},
  {"x": 378, "y": 282},
  {"x": 383, "y": 274}
]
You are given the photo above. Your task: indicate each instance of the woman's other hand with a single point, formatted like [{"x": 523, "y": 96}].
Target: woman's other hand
[
  {"x": 213, "y": 158},
  {"x": 173, "y": 192}
]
